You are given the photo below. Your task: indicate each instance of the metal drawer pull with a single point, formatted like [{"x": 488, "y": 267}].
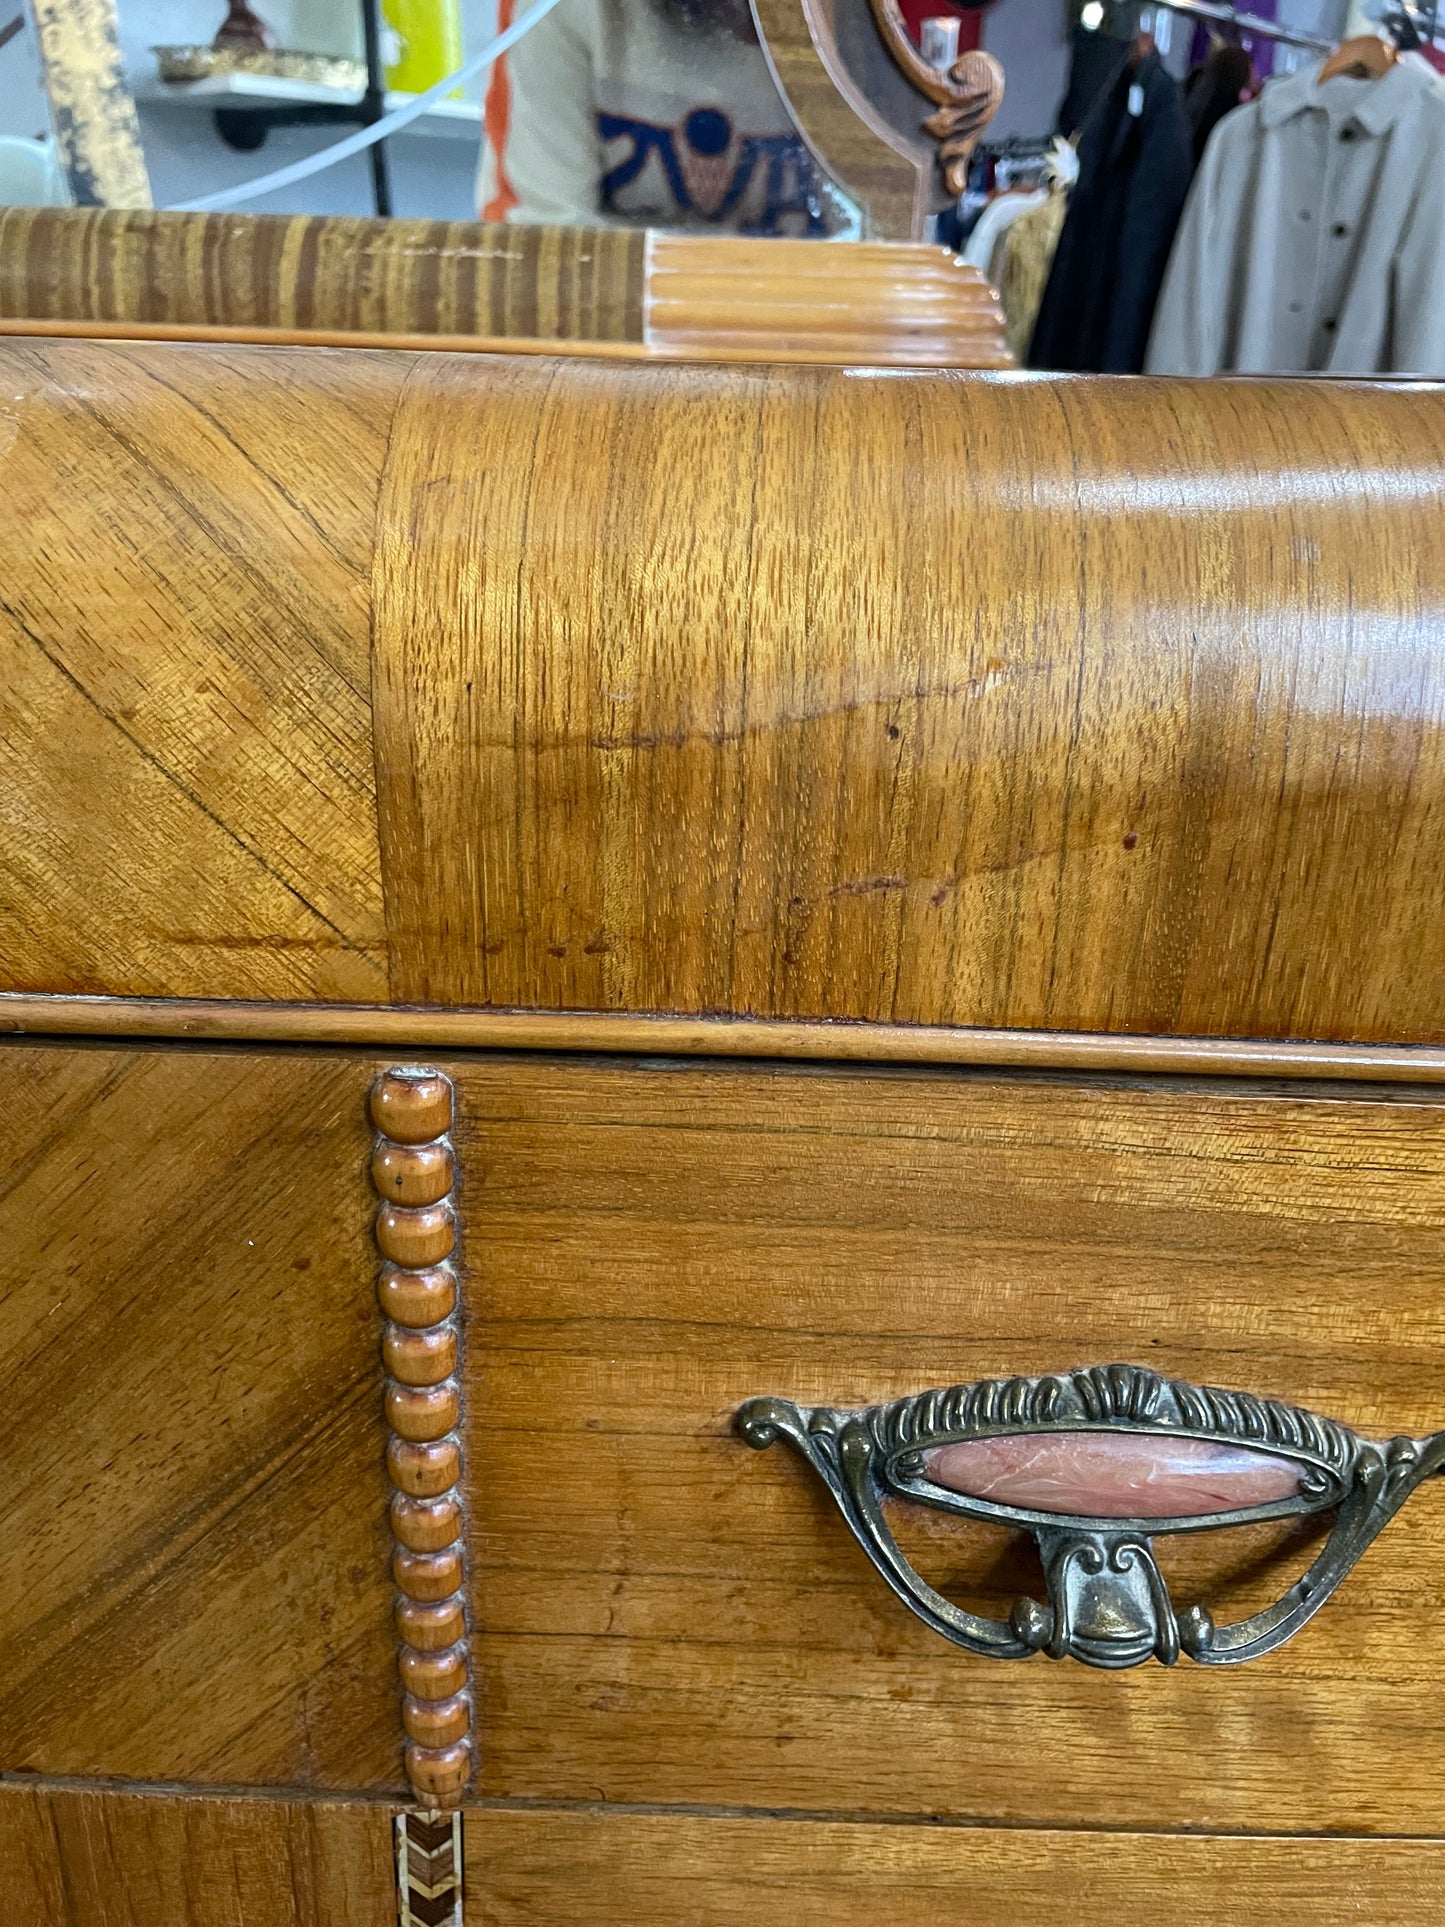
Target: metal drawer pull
[{"x": 1096, "y": 1464}]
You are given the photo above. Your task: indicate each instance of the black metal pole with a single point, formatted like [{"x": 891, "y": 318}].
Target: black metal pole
[{"x": 373, "y": 104}]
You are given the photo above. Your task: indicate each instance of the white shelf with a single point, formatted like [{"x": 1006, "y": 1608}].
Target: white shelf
[{"x": 448, "y": 120}]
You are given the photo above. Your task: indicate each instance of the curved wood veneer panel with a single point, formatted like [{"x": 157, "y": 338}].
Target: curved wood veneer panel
[
  {"x": 1051, "y": 704},
  {"x": 185, "y": 717},
  {"x": 792, "y": 693}
]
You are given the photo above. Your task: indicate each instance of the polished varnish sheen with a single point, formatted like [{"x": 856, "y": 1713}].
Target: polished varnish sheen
[
  {"x": 1113, "y": 1475},
  {"x": 797, "y": 693},
  {"x": 1041, "y": 727}
]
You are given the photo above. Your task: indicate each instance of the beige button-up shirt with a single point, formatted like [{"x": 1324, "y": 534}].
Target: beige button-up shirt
[{"x": 1314, "y": 235}]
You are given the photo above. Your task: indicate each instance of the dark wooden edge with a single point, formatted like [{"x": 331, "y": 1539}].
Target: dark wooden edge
[
  {"x": 427, "y": 1028},
  {"x": 387, "y": 1808}
]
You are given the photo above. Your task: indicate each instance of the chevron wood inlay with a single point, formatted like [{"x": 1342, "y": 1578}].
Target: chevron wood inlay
[{"x": 429, "y": 1869}]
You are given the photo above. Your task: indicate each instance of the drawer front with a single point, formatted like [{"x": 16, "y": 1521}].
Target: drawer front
[
  {"x": 86, "y": 1857},
  {"x": 195, "y": 1578},
  {"x": 665, "y": 1616}
]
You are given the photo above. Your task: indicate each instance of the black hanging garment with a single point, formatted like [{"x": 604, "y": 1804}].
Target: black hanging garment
[
  {"x": 1095, "y": 61},
  {"x": 1223, "y": 83},
  {"x": 1134, "y": 170}
]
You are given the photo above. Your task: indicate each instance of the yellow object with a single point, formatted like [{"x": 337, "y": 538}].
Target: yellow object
[{"x": 424, "y": 44}]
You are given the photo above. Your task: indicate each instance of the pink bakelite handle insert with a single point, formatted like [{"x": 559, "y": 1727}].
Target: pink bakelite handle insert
[{"x": 1113, "y": 1475}]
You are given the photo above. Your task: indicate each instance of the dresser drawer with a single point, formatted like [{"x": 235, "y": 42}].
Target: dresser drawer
[
  {"x": 197, "y": 1553},
  {"x": 664, "y": 1616}
]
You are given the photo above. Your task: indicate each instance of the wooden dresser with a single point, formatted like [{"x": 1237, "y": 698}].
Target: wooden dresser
[{"x": 563, "y": 920}]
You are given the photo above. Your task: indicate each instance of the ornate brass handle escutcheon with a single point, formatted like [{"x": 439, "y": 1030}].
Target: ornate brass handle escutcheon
[{"x": 1096, "y": 1464}]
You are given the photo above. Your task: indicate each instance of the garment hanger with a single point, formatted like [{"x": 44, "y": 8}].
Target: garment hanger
[{"x": 1363, "y": 57}]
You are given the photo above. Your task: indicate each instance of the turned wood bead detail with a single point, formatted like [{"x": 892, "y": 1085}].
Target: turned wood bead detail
[
  {"x": 430, "y": 1624},
  {"x": 416, "y": 1235},
  {"x": 417, "y": 1298},
  {"x": 436, "y": 1722},
  {"x": 434, "y": 1676},
  {"x": 439, "y": 1775},
  {"x": 425, "y": 1525},
  {"x": 412, "y": 1106},
  {"x": 413, "y": 1169},
  {"x": 427, "y": 1575},
  {"x": 419, "y": 1357},
  {"x": 412, "y": 1174},
  {"x": 425, "y": 1471},
  {"x": 422, "y": 1412}
]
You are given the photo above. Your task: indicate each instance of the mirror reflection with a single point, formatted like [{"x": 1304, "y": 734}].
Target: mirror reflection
[{"x": 1188, "y": 188}]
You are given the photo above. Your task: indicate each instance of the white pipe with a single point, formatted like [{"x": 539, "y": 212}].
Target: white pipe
[{"x": 366, "y": 136}]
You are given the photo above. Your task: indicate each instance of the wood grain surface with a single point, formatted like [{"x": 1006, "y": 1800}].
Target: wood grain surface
[
  {"x": 982, "y": 347},
  {"x": 73, "y": 1857},
  {"x": 875, "y": 303},
  {"x": 108, "y": 1857},
  {"x": 1058, "y": 705},
  {"x": 194, "y": 1552},
  {"x": 192, "y": 1568},
  {"x": 338, "y": 278},
  {"x": 185, "y": 729},
  {"x": 789, "y": 693},
  {"x": 327, "y": 271},
  {"x": 600, "y": 1869},
  {"x": 667, "y": 1617}
]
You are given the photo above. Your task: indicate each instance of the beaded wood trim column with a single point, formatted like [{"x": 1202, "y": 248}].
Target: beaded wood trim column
[{"x": 413, "y": 1168}]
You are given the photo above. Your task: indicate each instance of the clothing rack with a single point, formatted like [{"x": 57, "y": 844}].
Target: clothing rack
[
  {"x": 1414, "y": 26},
  {"x": 1222, "y": 14},
  {"x": 1421, "y": 21}
]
